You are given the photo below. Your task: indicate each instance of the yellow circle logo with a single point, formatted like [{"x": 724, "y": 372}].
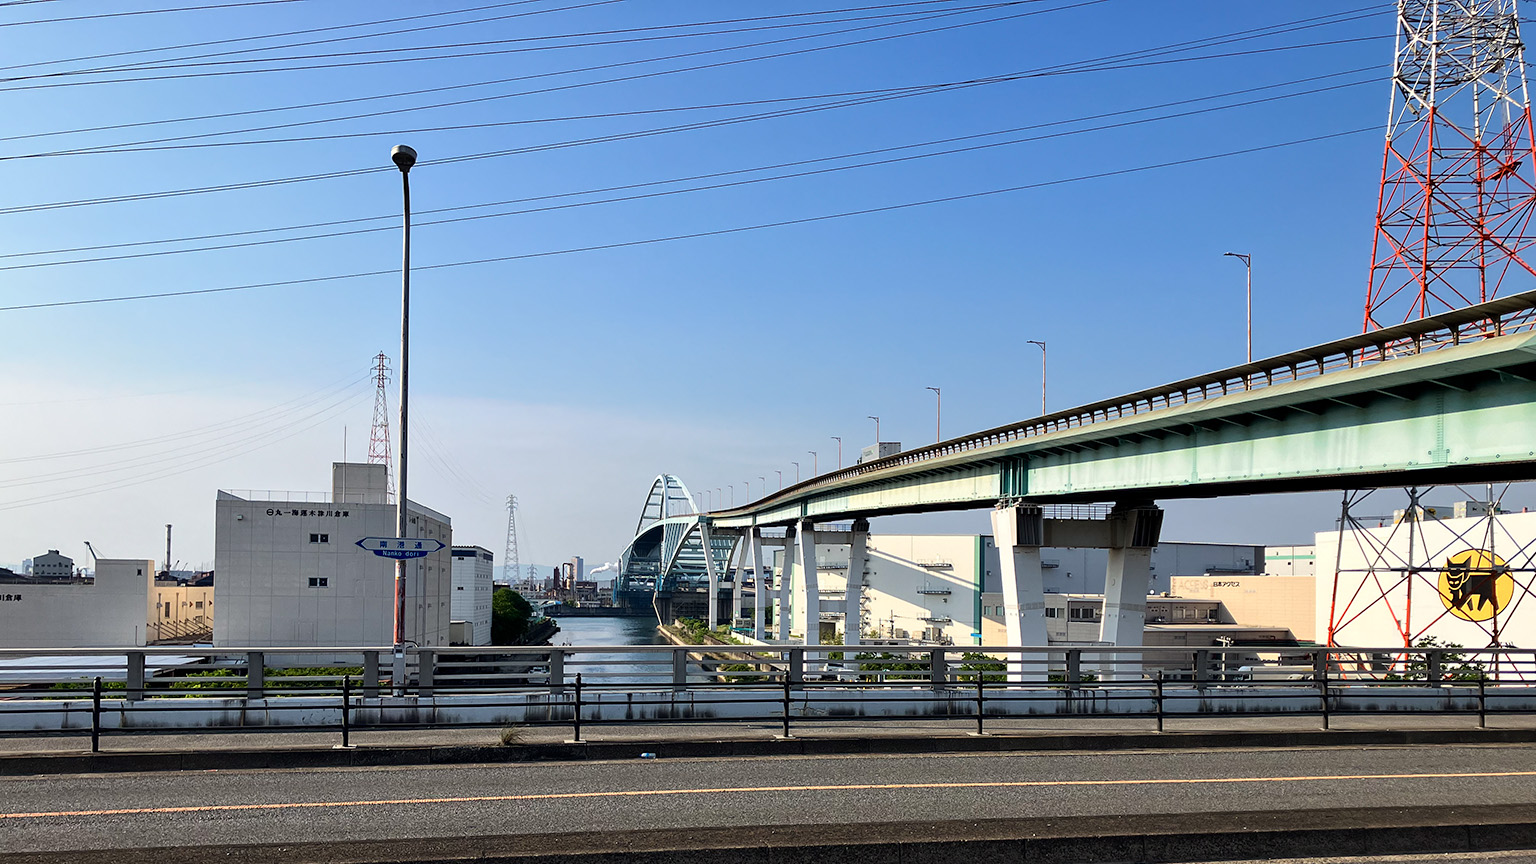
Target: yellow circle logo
[{"x": 1475, "y": 585}]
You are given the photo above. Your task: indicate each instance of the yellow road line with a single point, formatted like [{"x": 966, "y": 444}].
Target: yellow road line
[{"x": 848, "y": 787}]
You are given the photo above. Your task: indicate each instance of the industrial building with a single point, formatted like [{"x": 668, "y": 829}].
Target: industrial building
[
  {"x": 1462, "y": 580},
  {"x": 290, "y": 572},
  {"x": 471, "y": 603},
  {"x": 104, "y": 612}
]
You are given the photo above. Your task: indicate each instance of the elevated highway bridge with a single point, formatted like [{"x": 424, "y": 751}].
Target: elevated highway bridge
[{"x": 1446, "y": 399}]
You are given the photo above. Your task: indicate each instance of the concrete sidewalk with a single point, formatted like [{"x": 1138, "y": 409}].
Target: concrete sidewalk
[{"x": 55, "y": 753}]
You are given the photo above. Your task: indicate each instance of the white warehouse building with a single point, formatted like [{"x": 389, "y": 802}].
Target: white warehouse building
[
  {"x": 471, "y": 603},
  {"x": 290, "y": 572}
]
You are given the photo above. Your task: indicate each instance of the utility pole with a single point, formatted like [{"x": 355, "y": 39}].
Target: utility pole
[{"x": 509, "y": 560}]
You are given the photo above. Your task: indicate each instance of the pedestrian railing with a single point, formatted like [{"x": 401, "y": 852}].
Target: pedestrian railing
[{"x": 348, "y": 689}]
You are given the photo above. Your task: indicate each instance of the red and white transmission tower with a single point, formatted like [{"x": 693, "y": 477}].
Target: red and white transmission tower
[
  {"x": 378, "y": 439},
  {"x": 1458, "y": 180}
]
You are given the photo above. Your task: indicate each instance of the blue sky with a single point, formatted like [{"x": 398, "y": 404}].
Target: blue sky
[{"x": 573, "y": 379}]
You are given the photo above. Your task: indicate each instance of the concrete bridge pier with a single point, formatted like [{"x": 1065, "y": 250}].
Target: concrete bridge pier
[
  {"x": 761, "y": 581},
  {"x": 808, "y": 611},
  {"x": 1019, "y": 530},
  {"x": 1133, "y": 531},
  {"x": 782, "y": 621},
  {"x": 714, "y": 576},
  {"x": 853, "y": 608}
]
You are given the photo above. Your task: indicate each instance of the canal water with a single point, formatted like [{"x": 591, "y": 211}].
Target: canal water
[{"x": 617, "y": 632}]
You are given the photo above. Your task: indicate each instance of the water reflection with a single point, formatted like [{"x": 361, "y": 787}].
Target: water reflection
[{"x": 606, "y": 666}]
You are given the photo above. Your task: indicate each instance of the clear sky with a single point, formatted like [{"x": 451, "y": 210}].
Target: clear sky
[{"x": 1140, "y": 140}]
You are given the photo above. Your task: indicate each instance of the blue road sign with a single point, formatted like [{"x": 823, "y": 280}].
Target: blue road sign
[{"x": 400, "y": 547}]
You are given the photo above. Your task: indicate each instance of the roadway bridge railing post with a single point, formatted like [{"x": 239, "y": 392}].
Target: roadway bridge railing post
[{"x": 133, "y": 686}]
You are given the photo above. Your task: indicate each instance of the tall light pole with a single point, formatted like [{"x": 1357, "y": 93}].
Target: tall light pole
[
  {"x": 746, "y": 495},
  {"x": 404, "y": 158},
  {"x": 765, "y": 484},
  {"x": 1247, "y": 264},
  {"x": 938, "y": 416},
  {"x": 797, "y": 471},
  {"x": 815, "y": 464},
  {"x": 709, "y": 500},
  {"x": 1042, "y": 373},
  {"x": 839, "y": 452},
  {"x": 732, "y": 487},
  {"x": 781, "y": 477},
  {"x": 877, "y": 431}
]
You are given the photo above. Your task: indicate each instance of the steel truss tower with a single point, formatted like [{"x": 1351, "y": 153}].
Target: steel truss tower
[
  {"x": 510, "y": 566},
  {"x": 378, "y": 439},
  {"x": 1425, "y": 575},
  {"x": 1457, "y": 188}
]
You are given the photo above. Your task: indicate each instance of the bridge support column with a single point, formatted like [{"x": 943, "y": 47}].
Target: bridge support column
[
  {"x": 760, "y": 582},
  {"x": 740, "y": 555},
  {"x": 808, "y": 613},
  {"x": 853, "y": 607},
  {"x": 713, "y": 615},
  {"x": 1018, "y": 531},
  {"x": 1135, "y": 531},
  {"x": 785, "y": 568}
]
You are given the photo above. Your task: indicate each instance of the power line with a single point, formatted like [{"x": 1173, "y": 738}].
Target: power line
[
  {"x": 224, "y": 73},
  {"x": 700, "y": 234},
  {"x": 143, "y": 196},
  {"x": 139, "y": 12},
  {"x": 755, "y": 169},
  {"x": 224, "y": 57},
  {"x": 281, "y": 35},
  {"x": 1257, "y": 32}
]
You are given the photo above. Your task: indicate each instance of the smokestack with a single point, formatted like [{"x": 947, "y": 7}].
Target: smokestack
[{"x": 167, "y": 566}]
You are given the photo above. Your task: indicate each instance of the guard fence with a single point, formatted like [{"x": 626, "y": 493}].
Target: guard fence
[{"x": 348, "y": 689}]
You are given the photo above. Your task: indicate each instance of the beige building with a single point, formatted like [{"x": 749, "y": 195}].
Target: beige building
[
  {"x": 1287, "y": 602},
  {"x": 180, "y": 613},
  {"x": 1290, "y": 561}
]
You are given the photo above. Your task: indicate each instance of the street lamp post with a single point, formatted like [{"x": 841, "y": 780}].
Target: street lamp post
[
  {"x": 1248, "y": 265},
  {"x": 815, "y": 464},
  {"x": 1042, "y": 373},
  {"x": 732, "y": 488},
  {"x": 404, "y": 158},
  {"x": 746, "y": 485},
  {"x": 765, "y": 484},
  {"x": 877, "y": 430},
  {"x": 797, "y": 471},
  {"x": 839, "y": 452},
  {"x": 938, "y": 416},
  {"x": 781, "y": 477}
]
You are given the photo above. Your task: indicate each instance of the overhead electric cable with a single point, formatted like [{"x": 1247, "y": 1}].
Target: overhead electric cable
[
  {"x": 143, "y": 196},
  {"x": 1240, "y": 35},
  {"x": 755, "y": 169},
  {"x": 225, "y": 57},
  {"x": 314, "y": 280},
  {"x": 139, "y": 12}
]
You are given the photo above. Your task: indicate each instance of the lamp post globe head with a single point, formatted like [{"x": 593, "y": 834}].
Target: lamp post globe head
[{"x": 403, "y": 156}]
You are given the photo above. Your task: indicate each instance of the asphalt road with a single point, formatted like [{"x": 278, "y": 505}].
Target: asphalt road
[{"x": 120, "y": 811}]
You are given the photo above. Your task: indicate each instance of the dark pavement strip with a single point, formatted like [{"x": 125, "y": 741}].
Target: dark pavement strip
[{"x": 515, "y": 796}]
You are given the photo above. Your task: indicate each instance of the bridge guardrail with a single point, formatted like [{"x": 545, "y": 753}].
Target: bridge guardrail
[
  {"x": 347, "y": 689},
  {"x": 1501, "y": 317}
]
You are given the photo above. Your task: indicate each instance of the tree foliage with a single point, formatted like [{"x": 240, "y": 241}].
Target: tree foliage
[{"x": 510, "y": 616}]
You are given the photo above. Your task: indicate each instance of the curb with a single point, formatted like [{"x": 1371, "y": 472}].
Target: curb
[
  {"x": 1139, "y": 839},
  {"x": 363, "y": 757}
]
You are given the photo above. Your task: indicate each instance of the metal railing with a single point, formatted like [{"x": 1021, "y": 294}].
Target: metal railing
[
  {"x": 1502, "y": 317},
  {"x": 347, "y": 689}
]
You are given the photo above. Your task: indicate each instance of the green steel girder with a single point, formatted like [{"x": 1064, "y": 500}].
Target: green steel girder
[{"x": 1465, "y": 413}]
